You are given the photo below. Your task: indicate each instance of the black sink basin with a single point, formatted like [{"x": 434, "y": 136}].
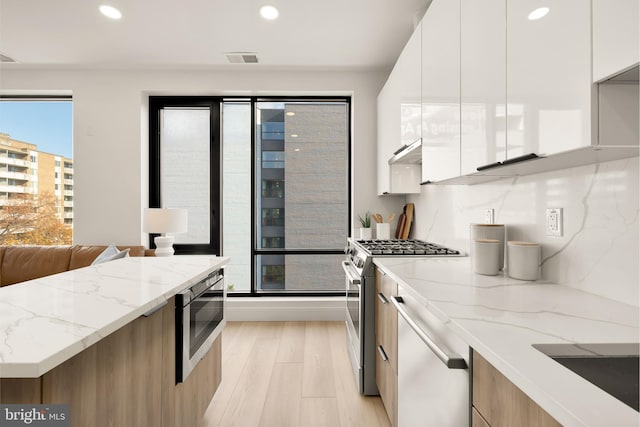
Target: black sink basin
[{"x": 612, "y": 367}]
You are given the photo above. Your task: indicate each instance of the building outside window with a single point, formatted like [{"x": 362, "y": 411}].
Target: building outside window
[
  {"x": 303, "y": 147},
  {"x": 32, "y": 208}
]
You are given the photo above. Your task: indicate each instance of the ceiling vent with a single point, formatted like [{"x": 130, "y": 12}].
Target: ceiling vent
[
  {"x": 5, "y": 58},
  {"x": 242, "y": 57}
]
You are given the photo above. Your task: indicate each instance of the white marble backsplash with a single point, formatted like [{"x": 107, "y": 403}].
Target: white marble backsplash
[{"x": 599, "y": 249}]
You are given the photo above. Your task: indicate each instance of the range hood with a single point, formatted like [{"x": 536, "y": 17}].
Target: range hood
[{"x": 408, "y": 154}]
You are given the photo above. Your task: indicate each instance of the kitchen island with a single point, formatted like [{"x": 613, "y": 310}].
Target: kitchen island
[
  {"x": 501, "y": 318},
  {"x": 102, "y": 339}
]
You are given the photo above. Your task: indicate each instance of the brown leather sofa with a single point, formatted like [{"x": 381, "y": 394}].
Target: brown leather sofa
[{"x": 22, "y": 263}]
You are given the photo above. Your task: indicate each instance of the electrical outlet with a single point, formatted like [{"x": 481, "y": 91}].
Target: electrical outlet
[
  {"x": 489, "y": 216},
  {"x": 554, "y": 222}
]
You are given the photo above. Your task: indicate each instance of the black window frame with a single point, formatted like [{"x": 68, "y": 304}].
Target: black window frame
[
  {"x": 156, "y": 104},
  {"x": 256, "y": 191}
]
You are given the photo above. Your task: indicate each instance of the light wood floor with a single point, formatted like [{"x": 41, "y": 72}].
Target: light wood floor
[{"x": 289, "y": 374}]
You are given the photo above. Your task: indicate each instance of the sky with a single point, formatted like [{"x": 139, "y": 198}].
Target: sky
[{"x": 48, "y": 124}]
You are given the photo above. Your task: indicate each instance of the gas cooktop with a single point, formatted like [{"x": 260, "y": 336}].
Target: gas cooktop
[{"x": 405, "y": 247}]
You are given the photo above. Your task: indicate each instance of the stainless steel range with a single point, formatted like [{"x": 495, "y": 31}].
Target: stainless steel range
[{"x": 360, "y": 291}]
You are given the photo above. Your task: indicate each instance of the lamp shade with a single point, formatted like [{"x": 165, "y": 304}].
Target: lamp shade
[{"x": 164, "y": 220}]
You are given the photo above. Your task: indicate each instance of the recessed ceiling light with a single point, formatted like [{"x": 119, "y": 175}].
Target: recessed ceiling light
[
  {"x": 538, "y": 13},
  {"x": 110, "y": 12},
  {"x": 269, "y": 12},
  {"x": 293, "y": 135},
  {"x": 290, "y": 113}
]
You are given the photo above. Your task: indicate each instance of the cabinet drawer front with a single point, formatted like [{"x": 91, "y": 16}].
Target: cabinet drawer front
[
  {"x": 387, "y": 386},
  {"x": 501, "y": 403},
  {"x": 386, "y": 318}
]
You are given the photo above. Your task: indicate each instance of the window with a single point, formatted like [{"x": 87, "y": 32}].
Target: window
[
  {"x": 31, "y": 207},
  {"x": 273, "y": 159},
  {"x": 303, "y": 199},
  {"x": 273, "y": 216},
  {"x": 184, "y": 167},
  {"x": 272, "y": 188},
  {"x": 279, "y": 170}
]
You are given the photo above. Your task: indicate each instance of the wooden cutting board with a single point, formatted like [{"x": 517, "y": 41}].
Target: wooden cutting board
[
  {"x": 401, "y": 221},
  {"x": 408, "y": 212}
]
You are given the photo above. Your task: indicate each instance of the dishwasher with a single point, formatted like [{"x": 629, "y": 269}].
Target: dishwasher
[{"x": 433, "y": 379}]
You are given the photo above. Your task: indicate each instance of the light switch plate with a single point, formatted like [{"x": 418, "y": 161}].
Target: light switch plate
[{"x": 554, "y": 222}]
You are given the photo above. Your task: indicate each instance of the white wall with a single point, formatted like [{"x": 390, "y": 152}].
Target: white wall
[
  {"x": 110, "y": 126},
  {"x": 598, "y": 252}
]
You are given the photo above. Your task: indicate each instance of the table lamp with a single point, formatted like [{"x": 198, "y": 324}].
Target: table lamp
[{"x": 164, "y": 220}]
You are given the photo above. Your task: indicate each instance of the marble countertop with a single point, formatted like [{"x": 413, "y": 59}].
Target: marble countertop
[
  {"x": 46, "y": 321},
  {"x": 502, "y": 317}
]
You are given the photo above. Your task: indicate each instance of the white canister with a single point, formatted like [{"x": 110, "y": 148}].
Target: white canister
[
  {"x": 365, "y": 233},
  {"x": 523, "y": 260},
  {"x": 486, "y": 254},
  {"x": 489, "y": 231},
  {"x": 383, "y": 230}
]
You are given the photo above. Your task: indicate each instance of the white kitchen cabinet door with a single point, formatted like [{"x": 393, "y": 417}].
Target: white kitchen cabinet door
[
  {"x": 549, "y": 87},
  {"x": 386, "y": 144},
  {"x": 616, "y": 37},
  {"x": 441, "y": 91},
  {"x": 483, "y": 66},
  {"x": 399, "y": 119},
  {"x": 409, "y": 86}
]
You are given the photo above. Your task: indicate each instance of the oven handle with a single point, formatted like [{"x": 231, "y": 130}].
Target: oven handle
[
  {"x": 451, "y": 360},
  {"x": 349, "y": 272}
]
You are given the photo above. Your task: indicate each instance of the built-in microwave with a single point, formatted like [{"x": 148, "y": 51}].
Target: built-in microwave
[{"x": 199, "y": 321}]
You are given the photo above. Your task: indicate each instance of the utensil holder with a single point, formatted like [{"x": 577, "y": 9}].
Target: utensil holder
[{"x": 383, "y": 231}]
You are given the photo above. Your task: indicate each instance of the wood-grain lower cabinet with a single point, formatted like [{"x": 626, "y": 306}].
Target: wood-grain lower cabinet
[
  {"x": 387, "y": 344},
  {"x": 126, "y": 379},
  {"x": 497, "y": 402}
]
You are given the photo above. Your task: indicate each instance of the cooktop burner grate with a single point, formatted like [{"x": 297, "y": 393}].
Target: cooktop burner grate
[{"x": 405, "y": 247}]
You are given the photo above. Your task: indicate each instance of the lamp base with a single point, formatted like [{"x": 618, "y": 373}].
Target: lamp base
[{"x": 164, "y": 245}]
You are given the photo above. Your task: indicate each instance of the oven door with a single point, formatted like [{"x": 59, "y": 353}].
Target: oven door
[
  {"x": 201, "y": 317},
  {"x": 353, "y": 287}
]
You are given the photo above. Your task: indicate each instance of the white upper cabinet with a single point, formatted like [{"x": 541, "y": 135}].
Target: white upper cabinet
[
  {"x": 399, "y": 121},
  {"x": 616, "y": 38},
  {"x": 502, "y": 80},
  {"x": 409, "y": 87},
  {"x": 549, "y": 91},
  {"x": 482, "y": 83},
  {"x": 441, "y": 91}
]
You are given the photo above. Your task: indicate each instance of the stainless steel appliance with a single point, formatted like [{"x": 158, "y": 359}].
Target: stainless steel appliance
[
  {"x": 360, "y": 295},
  {"x": 433, "y": 379},
  {"x": 199, "y": 320}
]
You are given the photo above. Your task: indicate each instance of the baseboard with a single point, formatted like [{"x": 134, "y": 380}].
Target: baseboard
[{"x": 285, "y": 309}]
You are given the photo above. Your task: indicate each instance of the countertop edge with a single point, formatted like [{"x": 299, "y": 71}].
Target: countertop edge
[{"x": 38, "y": 369}]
